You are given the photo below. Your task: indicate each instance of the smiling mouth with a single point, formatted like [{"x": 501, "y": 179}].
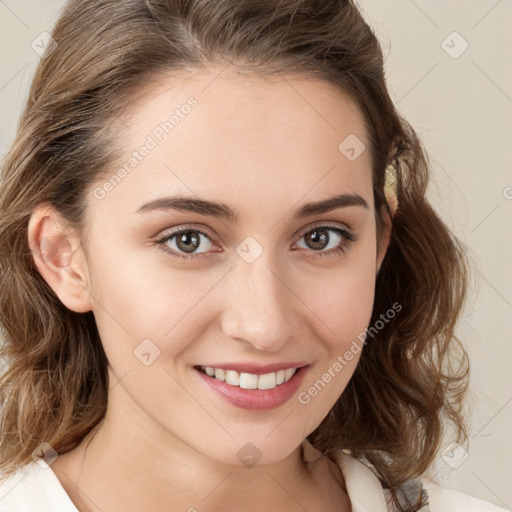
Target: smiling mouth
[{"x": 249, "y": 380}]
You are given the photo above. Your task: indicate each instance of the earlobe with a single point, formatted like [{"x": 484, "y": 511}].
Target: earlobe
[{"x": 59, "y": 258}]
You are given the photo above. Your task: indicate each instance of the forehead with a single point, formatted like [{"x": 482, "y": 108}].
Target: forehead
[{"x": 255, "y": 139}]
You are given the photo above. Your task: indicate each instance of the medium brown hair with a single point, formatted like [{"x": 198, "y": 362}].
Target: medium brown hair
[{"x": 407, "y": 386}]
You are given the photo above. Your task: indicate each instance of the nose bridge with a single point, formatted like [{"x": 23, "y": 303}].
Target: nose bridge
[{"x": 257, "y": 302}]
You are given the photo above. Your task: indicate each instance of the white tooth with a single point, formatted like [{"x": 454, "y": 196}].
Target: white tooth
[
  {"x": 248, "y": 381},
  {"x": 209, "y": 371},
  {"x": 280, "y": 377},
  {"x": 288, "y": 374},
  {"x": 220, "y": 374},
  {"x": 267, "y": 381},
  {"x": 232, "y": 378}
]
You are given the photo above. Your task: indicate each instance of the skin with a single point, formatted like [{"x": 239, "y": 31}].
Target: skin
[{"x": 264, "y": 147}]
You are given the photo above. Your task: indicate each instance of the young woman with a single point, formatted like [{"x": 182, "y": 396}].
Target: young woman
[{"x": 223, "y": 287}]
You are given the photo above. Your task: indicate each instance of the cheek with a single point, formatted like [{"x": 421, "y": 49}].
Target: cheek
[
  {"x": 341, "y": 304},
  {"x": 145, "y": 306},
  {"x": 342, "y": 297},
  {"x": 345, "y": 303},
  {"x": 135, "y": 303},
  {"x": 147, "y": 317}
]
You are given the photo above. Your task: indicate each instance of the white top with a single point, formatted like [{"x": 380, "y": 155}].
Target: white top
[{"x": 35, "y": 488}]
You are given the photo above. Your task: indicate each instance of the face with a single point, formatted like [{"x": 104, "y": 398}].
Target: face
[{"x": 240, "y": 274}]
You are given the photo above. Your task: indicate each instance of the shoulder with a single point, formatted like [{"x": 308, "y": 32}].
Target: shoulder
[
  {"x": 441, "y": 499},
  {"x": 31, "y": 488}
]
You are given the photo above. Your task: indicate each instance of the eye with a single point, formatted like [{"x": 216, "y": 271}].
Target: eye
[
  {"x": 318, "y": 239},
  {"x": 185, "y": 240}
]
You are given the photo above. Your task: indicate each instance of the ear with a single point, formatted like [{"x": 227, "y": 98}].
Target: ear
[
  {"x": 388, "y": 226},
  {"x": 59, "y": 258}
]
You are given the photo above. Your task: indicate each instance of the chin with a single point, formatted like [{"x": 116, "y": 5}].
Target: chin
[{"x": 249, "y": 453}]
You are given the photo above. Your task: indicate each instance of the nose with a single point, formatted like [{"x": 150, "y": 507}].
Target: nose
[{"x": 259, "y": 305}]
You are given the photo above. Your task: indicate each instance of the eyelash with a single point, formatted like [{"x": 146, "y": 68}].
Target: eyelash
[{"x": 348, "y": 238}]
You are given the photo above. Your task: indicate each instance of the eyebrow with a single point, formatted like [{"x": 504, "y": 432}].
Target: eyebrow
[{"x": 222, "y": 211}]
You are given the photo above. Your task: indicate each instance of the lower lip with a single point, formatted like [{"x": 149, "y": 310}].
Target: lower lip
[{"x": 256, "y": 399}]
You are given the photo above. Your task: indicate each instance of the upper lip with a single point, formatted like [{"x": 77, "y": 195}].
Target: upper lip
[{"x": 255, "y": 368}]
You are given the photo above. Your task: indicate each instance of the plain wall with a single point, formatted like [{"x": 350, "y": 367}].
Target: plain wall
[{"x": 461, "y": 106}]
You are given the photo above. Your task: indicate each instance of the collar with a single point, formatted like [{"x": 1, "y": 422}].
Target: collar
[{"x": 363, "y": 487}]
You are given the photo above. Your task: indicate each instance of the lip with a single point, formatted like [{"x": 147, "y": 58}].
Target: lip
[{"x": 255, "y": 399}]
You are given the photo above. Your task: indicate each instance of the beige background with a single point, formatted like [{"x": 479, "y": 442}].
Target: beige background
[{"x": 461, "y": 105}]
